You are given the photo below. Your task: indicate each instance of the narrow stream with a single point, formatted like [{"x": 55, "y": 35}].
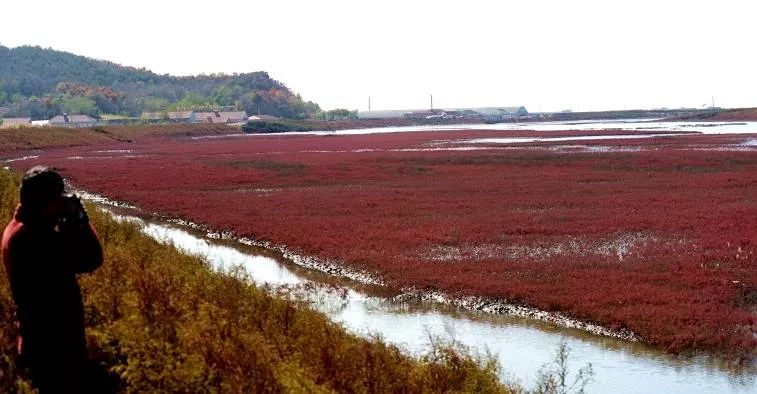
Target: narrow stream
[
  {"x": 619, "y": 125},
  {"x": 521, "y": 345}
]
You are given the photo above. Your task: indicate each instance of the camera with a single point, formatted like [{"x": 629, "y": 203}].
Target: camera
[{"x": 72, "y": 213}]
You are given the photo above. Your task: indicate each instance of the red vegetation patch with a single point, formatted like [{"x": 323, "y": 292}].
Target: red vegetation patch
[{"x": 660, "y": 239}]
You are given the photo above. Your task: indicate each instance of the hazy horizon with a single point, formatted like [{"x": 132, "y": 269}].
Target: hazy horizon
[{"x": 545, "y": 55}]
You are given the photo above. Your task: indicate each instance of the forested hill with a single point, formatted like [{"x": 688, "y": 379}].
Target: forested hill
[{"x": 42, "y": 83}]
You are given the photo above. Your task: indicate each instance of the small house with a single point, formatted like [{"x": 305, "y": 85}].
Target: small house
[
  {"x": 15, "y": 122},
  {"x": 76, "y": 121},
  {"x": 211, "y": 117},
  {"x": 221, "y": 117},
  {"x": 153, "y": 117},
  {"x": 181, "y": 117},
  {"x": 515, "y": 111},
  {"x": 498, "y": 114},
  {"x": 235, "y": 116},
  {"x": 421, "y": 115}
]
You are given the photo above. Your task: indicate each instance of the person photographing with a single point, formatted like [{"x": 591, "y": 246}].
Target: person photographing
[{"x": 44, "y": 246}]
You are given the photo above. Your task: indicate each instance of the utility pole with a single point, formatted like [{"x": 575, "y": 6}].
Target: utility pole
[
  {"x": 713, "y": 102},
  {"x": 369, "y": 103},
  {"x": 432, "y": 102}
]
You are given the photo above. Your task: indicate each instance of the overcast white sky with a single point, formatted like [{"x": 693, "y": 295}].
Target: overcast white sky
[{"x": 548, "y": 55}]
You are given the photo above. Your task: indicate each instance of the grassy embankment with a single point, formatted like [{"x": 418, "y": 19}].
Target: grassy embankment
[
  {"x": 29, "y": 138},
  {"x": 289, "y": 125},
  {"x": 165, "y": 322},
  {"x": 726, "y": 115}
]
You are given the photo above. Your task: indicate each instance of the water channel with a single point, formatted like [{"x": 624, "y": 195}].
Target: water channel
[
  {"x": 635, "y": 125},
  {"x": 521, "y": 345}
]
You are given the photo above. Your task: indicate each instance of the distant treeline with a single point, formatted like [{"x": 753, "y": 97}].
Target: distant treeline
[{"x": 41, "y": 83}]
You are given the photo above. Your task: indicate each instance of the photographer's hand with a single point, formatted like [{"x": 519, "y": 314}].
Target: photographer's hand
[
  {"x": 80, "y": 213},
  {"x": 83, "y": 251},
  {"x": 74, "y": 217}
]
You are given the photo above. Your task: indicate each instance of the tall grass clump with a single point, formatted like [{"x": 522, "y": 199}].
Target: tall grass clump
[{"x": 163, "y": 321}]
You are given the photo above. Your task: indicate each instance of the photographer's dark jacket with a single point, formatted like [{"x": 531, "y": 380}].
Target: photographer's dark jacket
[{"x": 41, "y": 261}]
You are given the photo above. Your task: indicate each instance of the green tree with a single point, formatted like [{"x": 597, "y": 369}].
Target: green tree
[
  {"x": 340, "y": 114},
  {"x": 191, "y": 101},
  {"x": 49, "y": 75},
  {"x": 255, "y": 103},
  {"x": 226, "y": 94},
  {"x": 78, "y": 105},
  {"x": 154, "y": 104}
]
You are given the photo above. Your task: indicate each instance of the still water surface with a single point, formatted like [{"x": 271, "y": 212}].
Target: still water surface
[
  {"x": 521, "y": 345},
  {"x": 650, "y": 125}
]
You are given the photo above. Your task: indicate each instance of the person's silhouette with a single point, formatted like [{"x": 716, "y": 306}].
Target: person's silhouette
[{"x": 49, "y": 241}]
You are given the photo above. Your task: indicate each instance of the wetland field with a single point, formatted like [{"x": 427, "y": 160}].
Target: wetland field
[
  {"x": 652, "y": 235},
  {"x": 642, "y": 235}
]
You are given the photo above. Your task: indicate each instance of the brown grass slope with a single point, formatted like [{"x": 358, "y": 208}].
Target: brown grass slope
[{"x": 30, "y": 138}]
